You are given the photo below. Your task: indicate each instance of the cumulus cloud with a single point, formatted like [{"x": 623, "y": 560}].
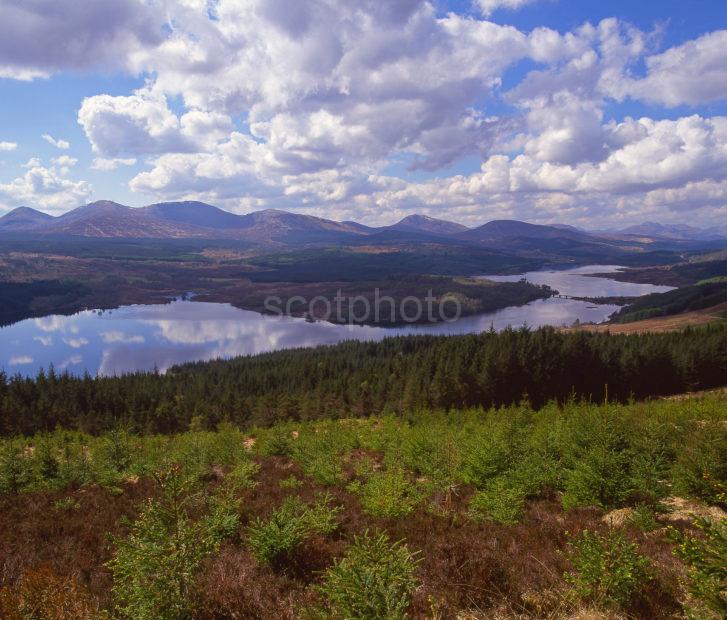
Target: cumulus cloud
[
  {"x": 65, "y": 161},
  {"x": 59, "y": 144},
  {"x": 254, "y": 103},
  {"x": 46, "y": 188},
  {"x": 692, "y": 73},
  {"x": 143, "y": 124},
  {"x": 487, "y": 7},
  {"x": 105, "y": 164},
  {"x": 74, "y": 360},
  {"x": 20, "y": 360},
  {"x": 75, "y": 35},
  {"x": 8, "y": 146},
  {"x": 113, "y": 337},
  {"x": 76, "y": 343},
  {"x": 650, "y": 165}
]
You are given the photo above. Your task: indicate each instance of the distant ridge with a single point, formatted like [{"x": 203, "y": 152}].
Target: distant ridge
[
  {"x": 108, "y": 219},
  {"x": 426, "y": 224},
  {"x": 24, "y": 218},
  {"x": 278, "y": 229},
  {"x": 193, "y": 213},
  {"x": 671, "y": 231},
  {"x": 499, "y": 230}
]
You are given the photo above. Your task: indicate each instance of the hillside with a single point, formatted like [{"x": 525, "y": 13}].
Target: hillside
[
  {"x": 110, "y": 219},
  {"x": 472, "y": 475},
  {"x": 277, "y": 229},
  {"x": 24, "y": 219},
  {"x": 430, "y": 225},
  {"x": 561, "y": 512}
]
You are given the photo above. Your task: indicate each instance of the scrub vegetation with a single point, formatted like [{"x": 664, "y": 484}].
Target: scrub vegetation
[{"x": 507, "y": 512}]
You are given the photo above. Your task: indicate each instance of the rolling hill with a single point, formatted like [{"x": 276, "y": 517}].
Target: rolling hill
[
  {"x": 24, "y": 218},
  {"x": 276, "y": 230},
  {"x": 428, "y": 225}
]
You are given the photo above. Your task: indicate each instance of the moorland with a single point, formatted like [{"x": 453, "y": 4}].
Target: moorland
[
  {"x": 104, "y": 255},
  {"x": 572, "y": 510},
  {"x": 523, "y": 474}
]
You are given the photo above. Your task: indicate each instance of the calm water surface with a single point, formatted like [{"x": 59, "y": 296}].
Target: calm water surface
[{"x": 159, "y": 336}]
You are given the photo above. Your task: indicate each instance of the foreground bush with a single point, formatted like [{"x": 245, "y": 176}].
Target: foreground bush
[
  {"x": 375, "y": 579},
  {"x": 290, "y": 525},
  {"x": 502, "y": 501},
  {"x": 707, "y": 560},
  {"x": 387, "y": 494},
  {"x": 608, "y": 570},
  {"x": 154, "y": 567}
]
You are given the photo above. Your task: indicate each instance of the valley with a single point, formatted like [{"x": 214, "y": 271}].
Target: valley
[{"x": 105, "y": 255}]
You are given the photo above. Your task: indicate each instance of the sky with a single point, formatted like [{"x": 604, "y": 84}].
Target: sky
[{"x": 584, "y": 112}]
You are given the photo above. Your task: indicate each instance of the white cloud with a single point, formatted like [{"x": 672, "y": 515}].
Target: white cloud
[
  {"x": 254, "y": 103},
  {"x": 20, "y": 360},
  {"x": 76, "y": 343},
  {"x": 487, "y": 7},
  {"x": 48, "y": 189},
  {"x": 42, "y": 37},
  {"x": 46, "y": 341},
  {"x": 649, "y": 165},
  {"x": 692, "y": 73},
  {"x": 8, "y": 146},
  {"x": 65, "y": 161},
  {"x": 74, "y": 360},
  {"x": 104, "y": 164},
  {"x": 143, "y": 124},
  {"x": 59, "y": 144},
  {"x": 120, "y": 337}
]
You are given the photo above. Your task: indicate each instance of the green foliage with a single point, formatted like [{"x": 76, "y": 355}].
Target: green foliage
[
  {"x": 644, "y": 518},
  {"x": 276, "y": 442},
  {"x": 375, "y": 579},
  {"x": 599, "y": 478},
  {"x": 290, "y": 525},
  {"x": 319, "y": 453},
  {"x": 281, "y": 533},
  {"x": 15, "y": 474},
  {"x": 155, "y": 565},
  {"x": 701, "y": 466},
  {"x": 489, "y": 452},
  {"x": 502, "y": 500},
  {"x": 388, "y": 494},
  {"x": 322, "y": 517},
  {"x": 684, "y": 299},
  {"x": 242, "y": 476},
  {"x": 67, "y": 503},
  {"x": 607, "y": 569},
  {"x": 706, "y": 557},
  {"x": 432, "y": 450},
  {"x": 599, "y": 456},
  {"x": 291, "y": 482}
]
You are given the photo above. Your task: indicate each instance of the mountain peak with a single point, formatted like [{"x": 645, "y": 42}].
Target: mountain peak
[
  {"x": 426, "y": 224},
  {"x": 195, "y": 213},
  {"x": 24, "y": 218}
]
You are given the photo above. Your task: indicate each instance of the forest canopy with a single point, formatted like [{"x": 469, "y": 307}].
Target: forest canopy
[{"x": 396, "y": 375}]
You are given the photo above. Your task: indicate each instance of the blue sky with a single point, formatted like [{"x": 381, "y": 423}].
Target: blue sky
[{"x": 595, "y": 113}]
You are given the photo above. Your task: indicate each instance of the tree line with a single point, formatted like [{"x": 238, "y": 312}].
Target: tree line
[{"x": 395, "y": 376}]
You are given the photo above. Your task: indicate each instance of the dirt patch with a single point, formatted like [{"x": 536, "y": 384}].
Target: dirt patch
[{"x": 681, "y": 509}]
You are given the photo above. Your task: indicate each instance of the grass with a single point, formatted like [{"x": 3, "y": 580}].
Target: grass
[{"x": 477, "y": 513}]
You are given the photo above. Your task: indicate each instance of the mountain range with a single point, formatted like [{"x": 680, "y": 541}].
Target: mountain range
[{"x": 191, "y": 219}]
